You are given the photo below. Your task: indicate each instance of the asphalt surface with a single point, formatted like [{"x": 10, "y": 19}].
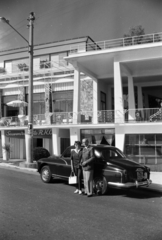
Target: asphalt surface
[{"x": 30, "y": 209}]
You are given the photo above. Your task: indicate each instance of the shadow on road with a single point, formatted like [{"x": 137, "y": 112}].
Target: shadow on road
[{"x": 142, "y": 193}]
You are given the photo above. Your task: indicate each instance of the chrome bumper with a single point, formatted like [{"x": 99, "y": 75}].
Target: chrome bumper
[{"x": 130, "y": 184}]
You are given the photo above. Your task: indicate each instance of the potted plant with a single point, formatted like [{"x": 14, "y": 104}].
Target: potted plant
[{"x": 6, "y": 151}]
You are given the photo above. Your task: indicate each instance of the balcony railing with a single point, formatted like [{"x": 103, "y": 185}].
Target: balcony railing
[
  {"x": 149, "y": 115},
  {"x": 143, "y": 115},
  {"x": 43, "y": 70},
  {"x": 116, "y": 43}
]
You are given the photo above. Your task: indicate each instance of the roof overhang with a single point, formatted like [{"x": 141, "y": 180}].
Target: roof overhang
[{"x": 138, "y": 60}]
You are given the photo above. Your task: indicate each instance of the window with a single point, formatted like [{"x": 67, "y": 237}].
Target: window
[
  {"x": 144, "y": 148},
  {"x": 57, "y": 60},
  {"x": 14, "y": 66},
  {"x": 96, "y": 136},
  {"x": 38, "y": 103},
  {"x": 63, "y": 101},
  {"x": 103, "y": 101}
]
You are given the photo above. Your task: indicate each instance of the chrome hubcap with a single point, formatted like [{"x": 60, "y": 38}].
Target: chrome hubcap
[
  {"x": 99, "y": 185},
  {"x": 45, "y": 175}
]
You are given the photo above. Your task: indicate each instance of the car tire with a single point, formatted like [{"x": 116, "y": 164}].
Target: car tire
[
  {"x": 100, "y": 185},
  {"x": 46, "y": 175}
]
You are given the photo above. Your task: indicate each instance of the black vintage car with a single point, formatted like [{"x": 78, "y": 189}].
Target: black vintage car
[{"x": 112, "y": 169}]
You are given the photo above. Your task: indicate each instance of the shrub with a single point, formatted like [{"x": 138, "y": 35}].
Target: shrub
[
  {"x": 7, "y": 147},
  {"x": 39, "y": 153}
]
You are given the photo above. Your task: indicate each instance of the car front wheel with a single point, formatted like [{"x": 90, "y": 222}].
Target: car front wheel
[
  {"x": 100, "y": 185},
  {"x": 46, "y": 175}
]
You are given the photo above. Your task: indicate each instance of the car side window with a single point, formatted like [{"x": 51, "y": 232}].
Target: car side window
[
  {"x": 114, "y": 154},
  {"x": 99, "y": 157},
  {"x": 67, "y": 153}
]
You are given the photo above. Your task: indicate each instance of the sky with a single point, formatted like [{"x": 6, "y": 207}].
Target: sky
[{"x": 65, "y": 19}]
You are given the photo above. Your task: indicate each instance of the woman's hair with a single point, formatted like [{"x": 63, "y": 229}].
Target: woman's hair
[{"x": 77, "y": 143}]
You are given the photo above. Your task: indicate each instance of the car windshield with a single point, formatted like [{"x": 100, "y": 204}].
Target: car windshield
[{"x": 108, "y": 154}]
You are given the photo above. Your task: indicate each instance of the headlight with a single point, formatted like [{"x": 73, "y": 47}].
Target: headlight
[{"x": 147, "y": 168}]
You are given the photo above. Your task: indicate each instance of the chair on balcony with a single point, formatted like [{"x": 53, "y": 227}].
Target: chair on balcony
[
  {"x": 64, "y": 120},
  {"x": 5, "y": 121},
  {"x": 138, "y": 116}
]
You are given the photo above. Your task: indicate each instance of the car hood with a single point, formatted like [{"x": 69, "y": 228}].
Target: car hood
[
  {"x": 49, "y": 159},
  {"x": 124, "y": 163}
]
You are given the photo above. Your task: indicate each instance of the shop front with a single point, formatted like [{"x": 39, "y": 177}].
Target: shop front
[
  {"x": 16, "y": 138},
  {"x": 43, "y": 138}
]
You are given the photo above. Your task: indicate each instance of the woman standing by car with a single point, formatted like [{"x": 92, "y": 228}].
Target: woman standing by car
[{"x": 76, "y": 156}]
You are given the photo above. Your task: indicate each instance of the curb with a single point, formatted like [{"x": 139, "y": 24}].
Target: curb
[{"x": 11, "y": 165}]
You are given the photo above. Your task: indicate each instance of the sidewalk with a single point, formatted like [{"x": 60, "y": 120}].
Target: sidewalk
[
  {"x": 14, "y": 163},
  {"x": 156, "y": 177}
]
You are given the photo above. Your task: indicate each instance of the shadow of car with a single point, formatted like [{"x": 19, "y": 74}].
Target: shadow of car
[{"x": 111, "y": 169}]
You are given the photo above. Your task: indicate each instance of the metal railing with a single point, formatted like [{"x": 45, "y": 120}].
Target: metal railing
[
  {"x": 42, "y": 70},
  {"x": 88, "y": 117},
  {"x": 143, "y": 115},
  {"x": 116, "y": 43}
]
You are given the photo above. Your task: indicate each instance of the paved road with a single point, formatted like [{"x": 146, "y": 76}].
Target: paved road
[{"x": 30, "y": 209}]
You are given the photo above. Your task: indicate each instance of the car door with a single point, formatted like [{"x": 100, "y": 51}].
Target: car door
[{"x": 64, "y": 167}]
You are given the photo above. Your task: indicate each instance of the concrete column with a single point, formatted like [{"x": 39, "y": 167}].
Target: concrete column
[
  {"x": 22, "y": 98},
  {"x": 119, "y": 139},
  {"x": 74, "y": 135},
  {"x": 118, "y": 94},
  {"x": 4, "y": 140},
  {"x": 76, "y": 95},
  {"x": 95, "y": 101},
  {"x": 48, "y": 102},
  {"x": 1, "y": 103},
  {"x": 26, "y": 143},
  {"x": 27, "y": 164},
  {"x": 131, "y": 98},
  {"x": 55, "y": 141}
]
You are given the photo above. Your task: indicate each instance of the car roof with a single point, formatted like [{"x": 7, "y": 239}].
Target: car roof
[
  {"x": 102, "y": 146},
  {"x": 98, "y": 146}
]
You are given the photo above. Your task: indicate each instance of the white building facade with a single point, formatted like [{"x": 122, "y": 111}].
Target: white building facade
[{"x": 109, "y": 92}]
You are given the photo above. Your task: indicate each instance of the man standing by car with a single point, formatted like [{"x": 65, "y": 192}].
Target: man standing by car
[{"x": 88, "y": 167}]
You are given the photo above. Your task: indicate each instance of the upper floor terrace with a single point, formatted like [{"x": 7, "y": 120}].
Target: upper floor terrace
[
  {"x": 116, "y": 43},
  {"x": 104, "y": 117},
  {"x": 138, "y": 56}
]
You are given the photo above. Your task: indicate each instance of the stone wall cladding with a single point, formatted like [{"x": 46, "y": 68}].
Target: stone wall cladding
[{"x": 86, "y": 95}]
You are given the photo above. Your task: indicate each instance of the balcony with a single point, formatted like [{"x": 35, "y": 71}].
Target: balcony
[
  {"x": 149, "y": 115},
  {"x": 44, "y": 71},
  {"x": 116, "y": 43}
]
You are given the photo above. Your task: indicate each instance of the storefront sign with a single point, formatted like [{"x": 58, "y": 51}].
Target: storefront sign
[
  {"x": 37, "y": 133},
  {"x": 42, "y": 133},
  {"x": 15, "y": 134}
]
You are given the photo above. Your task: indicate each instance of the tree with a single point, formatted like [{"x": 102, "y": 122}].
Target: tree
[
  {"x": 134, "y": 36},
  {"x": 135, "y": 31}
]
